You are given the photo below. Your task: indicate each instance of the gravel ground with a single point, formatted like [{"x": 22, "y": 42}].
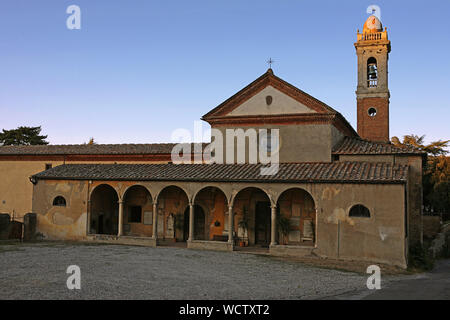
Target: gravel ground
[{"x": 38, "y": 271}]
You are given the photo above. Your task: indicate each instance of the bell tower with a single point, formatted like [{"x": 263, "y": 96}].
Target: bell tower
[{"x": 372, "y": 94}]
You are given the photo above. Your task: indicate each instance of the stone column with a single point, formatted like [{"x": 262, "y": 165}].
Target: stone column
[
  {"x": 88, "y": 218},
  {"x": 120, "y": 218},
  {"x": 155, "y": 221},
  {"x": 191, "y": 222},
  {"x": 273, "y": 226},
  {"x": 230, "y": 224}
]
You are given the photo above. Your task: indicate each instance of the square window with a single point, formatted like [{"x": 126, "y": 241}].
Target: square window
[
  {"x": 48, "y": 166},
  {"x": 135, "y": 214}
]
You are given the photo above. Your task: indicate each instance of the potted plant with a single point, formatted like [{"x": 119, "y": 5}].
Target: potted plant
[
  {"x": 243, "y": 224},
  {"x": 283, "y": 227}
]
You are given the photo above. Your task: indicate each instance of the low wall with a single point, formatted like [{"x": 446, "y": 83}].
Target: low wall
[
  {"x": 134, "y": 241},
  {"x": 287, "y": 250},
  {"x": 210, "y": 245}
]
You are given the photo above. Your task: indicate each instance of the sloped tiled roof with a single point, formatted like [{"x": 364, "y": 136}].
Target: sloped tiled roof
[
  {"x": 351, "y": 145},
  {"x": 86, "y": 149},
  {"x": 347, "y": 172}
]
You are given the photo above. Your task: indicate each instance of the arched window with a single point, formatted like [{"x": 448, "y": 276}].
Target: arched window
[
  {"x": 372, "y": 73},
  {"x": 359, "y": 211},
  {"x": 59, "y": 201}
]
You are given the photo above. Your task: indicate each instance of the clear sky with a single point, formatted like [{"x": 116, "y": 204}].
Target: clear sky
[{"x": 137, "y": 70}]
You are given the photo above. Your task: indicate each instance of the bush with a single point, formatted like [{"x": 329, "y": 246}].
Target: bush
[
  {"x": 446, "y": 248},
  {"x": 420, "y": 258}
]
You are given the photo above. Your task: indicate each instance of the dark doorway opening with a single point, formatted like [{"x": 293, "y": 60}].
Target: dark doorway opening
[
  {"x": 100, "y": 224},
  {"x": 262, "y": 223},
  {"x": 104, "y": 211}
]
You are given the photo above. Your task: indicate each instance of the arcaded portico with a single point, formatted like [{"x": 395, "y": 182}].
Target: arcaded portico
[{"x": 293, "y": 212}]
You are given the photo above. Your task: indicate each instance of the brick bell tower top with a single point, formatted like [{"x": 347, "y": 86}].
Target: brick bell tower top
[{"x": 372, "y": 94}]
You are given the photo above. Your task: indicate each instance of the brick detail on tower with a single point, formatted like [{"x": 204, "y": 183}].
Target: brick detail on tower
[{"x": 373, "y": 127}]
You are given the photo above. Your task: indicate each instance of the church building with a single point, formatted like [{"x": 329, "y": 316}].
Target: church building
[{"x": 335, "y": 193}]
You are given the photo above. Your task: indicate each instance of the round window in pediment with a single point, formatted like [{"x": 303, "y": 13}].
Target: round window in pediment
[{"x": 269, "y": 100}]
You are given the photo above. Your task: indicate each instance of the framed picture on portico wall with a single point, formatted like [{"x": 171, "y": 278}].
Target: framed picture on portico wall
[{"x": 148, "y": 217}]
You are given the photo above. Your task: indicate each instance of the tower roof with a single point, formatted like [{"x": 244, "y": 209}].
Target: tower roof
[{"x": 372, "y": 25}]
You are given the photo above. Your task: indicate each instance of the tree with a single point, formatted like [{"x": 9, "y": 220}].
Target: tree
[
  {"x": 436, "y": 176},
  {"x": 435, "y": 148},
  {"x": 22, "y": 136},
  {"x": 91, "y": 141},
  {"x": 436, "y": 184}
]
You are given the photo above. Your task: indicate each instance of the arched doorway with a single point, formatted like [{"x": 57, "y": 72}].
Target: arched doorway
[
  {"x": 212, "y": 204},
  {"x": 104, "y": 214},
  {"x": 296, "y": 216},
  {"x": 138, "y": 211},
  {"x": 252, "y": 210},
  {"x": 171, "y": 221}
]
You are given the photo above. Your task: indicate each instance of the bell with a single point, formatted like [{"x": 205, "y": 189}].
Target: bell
[{"x": 372, "y": 73}]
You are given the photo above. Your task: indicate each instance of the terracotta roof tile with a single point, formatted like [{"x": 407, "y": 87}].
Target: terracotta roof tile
[
  {"x": 347, "y": 172},
  {"x": 351, "y": 145},
  {"x": 86, "y": 149}
]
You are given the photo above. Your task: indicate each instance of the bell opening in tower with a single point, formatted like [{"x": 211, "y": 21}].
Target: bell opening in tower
[{"x": 372, "y": 73}]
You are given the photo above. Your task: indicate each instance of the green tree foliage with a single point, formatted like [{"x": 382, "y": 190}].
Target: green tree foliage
[
  {"x": 22, "y": 136},
  {"x": 435, "y": 148},
  {"x": 436, "y": 178},
  {"x": 437, "y": 184}
]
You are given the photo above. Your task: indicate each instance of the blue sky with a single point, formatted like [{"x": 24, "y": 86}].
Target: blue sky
[{"x": 137, "y": 70}]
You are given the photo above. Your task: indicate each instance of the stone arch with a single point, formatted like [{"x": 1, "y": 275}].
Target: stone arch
[
  {"x": 135, "y": 185},
  {"x": 104, "y": 184},
  {"x": 175, "y": 185},
  {"x": 236, "y": 192},
  {"x": 104, "y": 210},
  {"x": 253, "y": 204},
  {"x": 214, "y": 204},
  {"x": 137, "y": 211},
  {"x": 206, "y": 187},
  {"x": 172, "y": 201},
  {"x": 296, "y": 211}
]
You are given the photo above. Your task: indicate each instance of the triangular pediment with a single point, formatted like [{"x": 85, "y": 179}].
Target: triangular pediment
[
  {"x": 270, "y": 101},
  {"x": 269, "y": 95}
]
